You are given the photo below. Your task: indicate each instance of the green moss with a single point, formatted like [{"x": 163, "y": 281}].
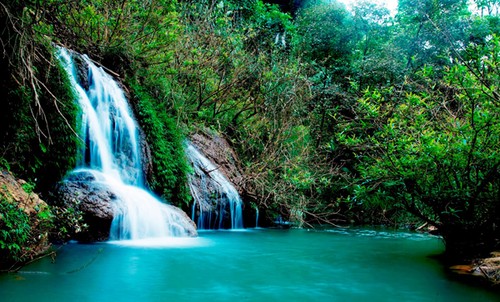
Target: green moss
[{"x": 165, "y": 140}]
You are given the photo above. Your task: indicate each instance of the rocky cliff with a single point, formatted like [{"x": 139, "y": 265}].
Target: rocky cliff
[
  {"x": 218, "y": 150},
  {"x": 217, "y": 183}
]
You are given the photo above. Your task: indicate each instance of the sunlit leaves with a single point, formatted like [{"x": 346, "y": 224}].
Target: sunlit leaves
[
  {"x": 433, "y": 145},
  {"x": 326, "y": 33},
  {"x": 431, "y": 30}
]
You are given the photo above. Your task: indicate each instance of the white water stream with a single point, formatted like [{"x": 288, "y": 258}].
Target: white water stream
[
  {"x": 213, "y": 187},
  {"x": 112, "y": 154}
]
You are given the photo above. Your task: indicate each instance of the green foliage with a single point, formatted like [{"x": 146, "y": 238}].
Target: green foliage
[
  {"x": 14, "y": 231},
  {"x": 267, "y": 27},
  {"x": 376, "y": 60},
  {"x": 326, "y": 35},
  {"x": 37, "y": 140},
  {"x": 170, "y": 165},
  {"x": 28, "y": 187},
  {"x": 66, "y": 223},
  {"x": 219, "y": 60},
  {"x": 336, "y": 110},
  {"x": 132, "y": 27},
  {"x": 434, "y": 151},
  {"x": 41, "y": 146},
  {"x": 21, "y": 234},
  {"x": 430, "y": 30},
  {"x": 4, "y": 164}
]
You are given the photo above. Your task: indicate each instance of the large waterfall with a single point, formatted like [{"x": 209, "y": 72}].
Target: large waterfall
[
  {"x": 112, "y": 155},
  {"x": 215, "y": 198}
]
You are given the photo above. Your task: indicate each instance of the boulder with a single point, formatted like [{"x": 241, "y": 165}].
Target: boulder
[
  {"x": 82, "y": 71},
  {"x": 82, "y": 193},
  {"x": 97, "y": 204},
  {"x": 188, "y": 225}
]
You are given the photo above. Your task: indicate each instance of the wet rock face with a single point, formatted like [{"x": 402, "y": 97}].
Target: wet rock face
[
  {"x": 146, "y": 158},
  {"x": 93, "y": 199},
  {"x": 82, "y": 71},
  {"x": 219, "y": 151},
  {"x": 216, "y": 184},
  {"x": 11, "y": 188}
]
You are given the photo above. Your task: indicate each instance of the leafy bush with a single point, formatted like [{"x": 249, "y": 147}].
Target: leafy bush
[
  {"x": 66, "y": 222},
  {"x": 15, "y": 231},
  {"x": 434, "y": 152},
  {"x": 23, "y": 234},
  {"x": 130, "y": 27}
]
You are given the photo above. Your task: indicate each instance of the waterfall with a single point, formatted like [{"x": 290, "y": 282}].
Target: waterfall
[
  {"x": 256, "y": 217},
  {"x": 214, "y": 196},
  {"x": 112, "y": 155}
]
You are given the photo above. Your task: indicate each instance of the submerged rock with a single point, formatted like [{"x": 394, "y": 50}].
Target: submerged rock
[
  {"x": 188, "y": 225},
  {"x": 490, "y": 268},
  {"x": 485, "y": 270}
]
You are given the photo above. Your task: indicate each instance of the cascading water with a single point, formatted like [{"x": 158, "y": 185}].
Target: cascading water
[
  {"x": 112, "y": 155},
  {"x": 256, "y": 218},
  {"x": 212, "y": 194}
]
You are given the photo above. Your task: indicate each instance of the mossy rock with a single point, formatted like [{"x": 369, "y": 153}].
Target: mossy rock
[{"x": 25, "y": 223}]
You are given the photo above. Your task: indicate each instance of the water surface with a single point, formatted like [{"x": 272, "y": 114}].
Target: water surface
[{"x": 252, "y": 265}]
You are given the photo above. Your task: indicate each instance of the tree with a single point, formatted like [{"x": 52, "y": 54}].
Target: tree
[
  {"x": 325, "y": 40},
  {"x": 220, "y": 61},
  {"x": 376, "y": 60},
  {"x": 113, "y": 33},
  {"x": 37, "y": 136},
  {"x": 430, "y": 30},
  {"x": 326, "y": 35},
  {"x": 434, "y": 151},
  {"x": 487, "y": 7}
]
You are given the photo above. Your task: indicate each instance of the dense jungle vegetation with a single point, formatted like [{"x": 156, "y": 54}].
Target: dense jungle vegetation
[{"x": 338, "y": 115}]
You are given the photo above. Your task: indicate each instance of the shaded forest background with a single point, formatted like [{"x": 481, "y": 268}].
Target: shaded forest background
[{"x": 338, "y": 115}]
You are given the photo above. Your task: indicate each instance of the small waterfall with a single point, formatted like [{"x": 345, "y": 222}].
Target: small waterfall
[
  {"x": 213, "y": 195},
  {"x": 256, "y": 217},
  {"x": 111, "y": 153}
]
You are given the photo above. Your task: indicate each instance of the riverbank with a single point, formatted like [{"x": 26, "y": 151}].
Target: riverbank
[
  {"x": 482, "y": 269},
  {"x": 490, "y": 268}
]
